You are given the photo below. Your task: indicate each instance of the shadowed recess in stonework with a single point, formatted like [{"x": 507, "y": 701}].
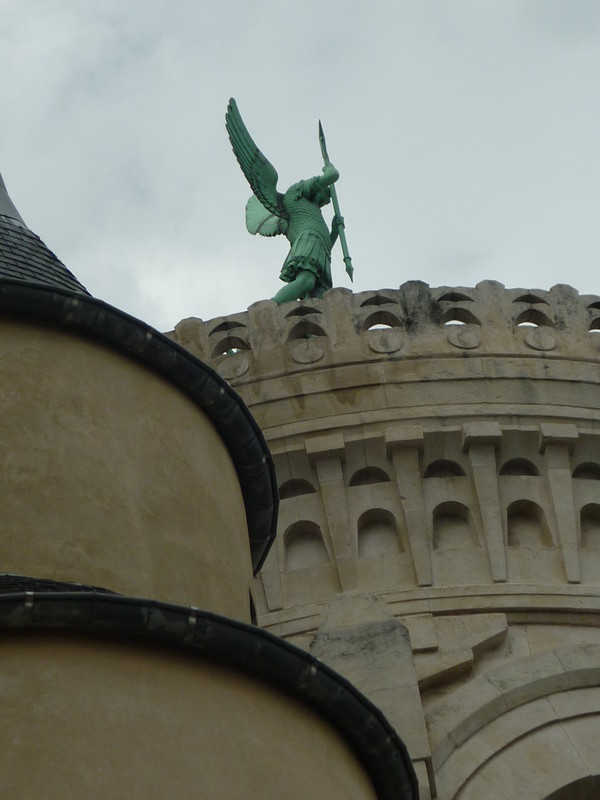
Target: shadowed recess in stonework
[
  {"x": 377, "y": 534},
  {"x": 453, "y": 527},
  {"x": 304, "y": 546},
  {"x": 527, "y": 525}
]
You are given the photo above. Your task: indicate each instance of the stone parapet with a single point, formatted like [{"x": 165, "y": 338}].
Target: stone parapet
[
  {"x": 310, "y": 366},
  {"x": 414, "y": 321}
]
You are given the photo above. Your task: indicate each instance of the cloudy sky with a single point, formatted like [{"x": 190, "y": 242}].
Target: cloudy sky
[{"x": 466, "y": 132}]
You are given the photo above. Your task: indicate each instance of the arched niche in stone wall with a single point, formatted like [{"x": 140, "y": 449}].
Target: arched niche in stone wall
[
  {"x": 443, "y": 468},
  {"x": 377, "y": 300},
  {"x": 304, "y": 546},
  {"x": 302, "y": 311},
  {"x": 455, "y": 297},
  {"x": 519, "y": 466},
  {"x": 530, "y": 298},
  {"x": 377, "y": 534},
  {"x": 527, "y": 525},
  {"x": 453, "y": 527},
  {"x": 228, "y": 325},
  {"x": 590, "y": 526},
  {"x": 368, "y": 475},
  {"x": 294, "y": 488},
  {"x": 589, "y": 471}
]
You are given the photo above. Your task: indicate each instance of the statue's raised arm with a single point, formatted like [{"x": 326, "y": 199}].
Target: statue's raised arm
[{"x": 296, "y": 213}]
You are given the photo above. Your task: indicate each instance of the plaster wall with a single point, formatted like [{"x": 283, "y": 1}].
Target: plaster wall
[
  {"x": 111, "y": 476},
  {"x": 106, "y": 719}
]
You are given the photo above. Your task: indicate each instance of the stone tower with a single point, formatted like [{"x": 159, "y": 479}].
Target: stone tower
[{"x": 437, "y": 454}]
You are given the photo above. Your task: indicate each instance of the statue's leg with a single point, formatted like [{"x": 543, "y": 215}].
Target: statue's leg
[{"x": 298, "y": 289}]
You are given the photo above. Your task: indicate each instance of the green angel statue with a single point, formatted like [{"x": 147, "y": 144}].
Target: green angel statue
[{"x": 296, "y": 214}]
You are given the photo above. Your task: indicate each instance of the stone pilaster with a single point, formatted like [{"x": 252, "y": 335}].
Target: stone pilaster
[
  {"x": 480, "y": 440},
  {"x": 327, "y": 454},
  {"x": 555, "y": 443},
  {"x": 403, "y": 446}
]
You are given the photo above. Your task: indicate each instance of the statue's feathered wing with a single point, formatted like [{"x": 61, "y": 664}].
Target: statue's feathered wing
[
  {"x": 260, "y": 174},
  {"x": 260, "y": 220}
]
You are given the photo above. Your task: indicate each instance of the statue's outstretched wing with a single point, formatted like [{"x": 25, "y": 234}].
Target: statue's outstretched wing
[
  {"x": 260, "y": 220},
  {"x": 260, "y": 173}
]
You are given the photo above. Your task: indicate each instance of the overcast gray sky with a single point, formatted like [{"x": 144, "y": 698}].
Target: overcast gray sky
[{"x": 466, "y": 133}]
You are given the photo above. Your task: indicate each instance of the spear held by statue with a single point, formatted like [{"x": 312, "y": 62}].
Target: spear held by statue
[{"x": 336, "y": 208}]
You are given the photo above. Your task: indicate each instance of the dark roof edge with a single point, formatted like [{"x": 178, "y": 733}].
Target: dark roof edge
[
  {"x": 225, "y": 409},
  {"x": 245, "y": 647}
]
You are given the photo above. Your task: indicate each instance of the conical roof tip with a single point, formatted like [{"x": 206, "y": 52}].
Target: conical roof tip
[
  {"x": 23, "y": 255},
  {"x": 7, "y": 207}
]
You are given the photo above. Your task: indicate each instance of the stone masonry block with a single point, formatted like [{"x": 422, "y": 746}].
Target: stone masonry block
[
  {"x": 408, "y": 436},
  {"x": 481, "y": 433},
  {"x": 329, "y": 446},
  {"x": 557, "y": 433}
]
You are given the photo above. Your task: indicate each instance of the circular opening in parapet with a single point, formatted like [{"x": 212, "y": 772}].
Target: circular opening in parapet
[
  {"x": 229, "y": 346},
  {"x": 306, "y": 330},
  {"x": 380, "y": 320},
  {"x": 459, "y": 316},
  {"x": 533, "y": 318}
]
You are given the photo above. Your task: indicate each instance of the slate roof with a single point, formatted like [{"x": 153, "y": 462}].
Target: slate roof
[{"x": 24, "y": 257}]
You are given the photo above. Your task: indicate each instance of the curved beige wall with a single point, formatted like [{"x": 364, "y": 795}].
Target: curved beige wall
[
  {"x": 95, "y": 719},
  {"x": 113, "y": 477}
]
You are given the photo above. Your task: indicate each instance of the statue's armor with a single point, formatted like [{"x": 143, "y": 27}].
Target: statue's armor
[{"x": 308, "y": 234}]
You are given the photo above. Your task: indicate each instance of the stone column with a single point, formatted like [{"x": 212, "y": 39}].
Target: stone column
[
  {"x": 480, "y": 440},
  {"x": 403, "y": 446},
  {"x": 556, "y": 441},
  {"x": 327, "y": 454}
]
